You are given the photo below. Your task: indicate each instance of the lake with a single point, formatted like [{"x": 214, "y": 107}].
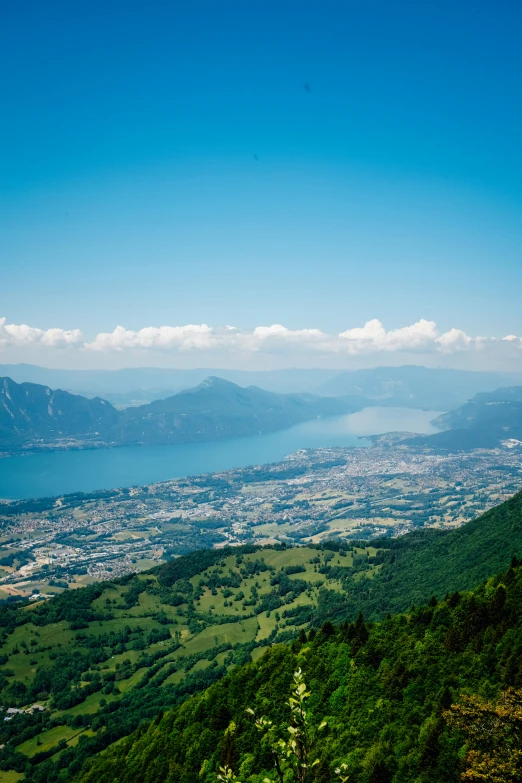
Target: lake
[{"x": 60, "y": 472}]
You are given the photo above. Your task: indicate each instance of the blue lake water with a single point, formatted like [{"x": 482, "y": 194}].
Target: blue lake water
[{"x": 60, "y": 472}]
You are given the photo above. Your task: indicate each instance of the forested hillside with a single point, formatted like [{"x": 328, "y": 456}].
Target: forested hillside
[
  {"x": 433, "y": 562},
  {"x": 103, "y": 659},
  {"x": 382, "y": 689}
]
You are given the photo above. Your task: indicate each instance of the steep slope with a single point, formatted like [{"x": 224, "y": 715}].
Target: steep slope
[
  {"x": 483, "y": 422},
  {"x": 106, "y": 657},
  {"x": 383, "y": 691},
  {"x": 220, "y": 409},
  {"x": 30, "y": 412},
  {"x": 432, "y": 562}
]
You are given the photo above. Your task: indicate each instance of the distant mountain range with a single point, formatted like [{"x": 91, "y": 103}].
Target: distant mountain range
[
  {"x": 139, "y": 385},
  {"x": 416, "y": 387},
  {"x": 33, "y": 416},
  {"x": 411, "y": 386},
  {"x": 483, "y": 422},
  {"x": 220, "y": 409}
]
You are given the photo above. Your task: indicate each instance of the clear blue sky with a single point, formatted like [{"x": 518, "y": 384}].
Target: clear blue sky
[{"x": 315, "y": 164}]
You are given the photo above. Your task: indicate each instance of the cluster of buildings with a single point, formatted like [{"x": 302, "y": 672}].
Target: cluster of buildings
[{"x": 387, "y": 488}]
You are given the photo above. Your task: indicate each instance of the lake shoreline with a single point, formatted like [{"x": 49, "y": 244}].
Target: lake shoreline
[
  {"x": 53, "y": 473},
  {"x": 95, "y": 445}
]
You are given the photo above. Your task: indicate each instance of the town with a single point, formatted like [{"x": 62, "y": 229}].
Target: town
[{"x": 387, "y": 489}]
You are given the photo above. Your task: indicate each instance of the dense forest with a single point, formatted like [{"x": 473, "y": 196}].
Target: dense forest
[
  {"x": 156, "y": 670},
  {"x": 429, "y": 562},
  {"x": 385, "y": 691}
]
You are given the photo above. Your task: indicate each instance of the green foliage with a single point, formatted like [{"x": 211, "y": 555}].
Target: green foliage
[
  {"x": 493, "y": 733},
  {"x": 75, "y": 607},
  {"x": 413, "y": 570},
  {"x": 145, "y": 643},
  {"x": 383, "y": 690},
  {"x": 194, "y": 563},
  {"x": 106, "y": 657},
  {"x": 293, "y": 755}
]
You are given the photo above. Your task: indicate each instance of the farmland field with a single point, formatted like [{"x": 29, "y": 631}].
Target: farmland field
[{"x": 150, "y": 639}]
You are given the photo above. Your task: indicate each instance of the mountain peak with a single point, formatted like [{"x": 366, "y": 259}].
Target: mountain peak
[{"x": 213, "y": 382}]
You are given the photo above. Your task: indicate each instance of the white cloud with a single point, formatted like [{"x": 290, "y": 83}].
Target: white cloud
[
  {"x": 203, "y": 337},
  {"x": 182, "y": 338},
  {"x": 512, "y": 339},
  {"x": 281, "y": 332},
  {"x": 23, "y": 335},
  {"x": 58, "y": 338},
  {"x": 422, "y": 337},
  {"x": 374, "y": 337},
  {"x": 455, "y": 340},
  {"x": 276, "y": 337}
]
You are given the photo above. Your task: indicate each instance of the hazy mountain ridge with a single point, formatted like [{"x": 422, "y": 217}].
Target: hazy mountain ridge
[
  {"x": 415, "y": 386},
  {"x": 128, "y": 385},
  {"x": 34, "y": 416},
  {"x": 482, "y": 408},
  {"x": 483, "y": 422},
  {"x": 408, "y": 385},
  {"x": 219, "y": 409}
]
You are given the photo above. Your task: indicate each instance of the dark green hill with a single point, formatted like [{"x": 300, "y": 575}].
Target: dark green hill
[
  {"x": 107, "y": 657},
  {"x": 382, "y": 690},
  {"x": 432, "y": 562}
]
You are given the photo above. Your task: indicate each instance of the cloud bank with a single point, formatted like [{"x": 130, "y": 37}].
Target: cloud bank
[
  {"x": 23, "y": 335},
  {"x": 421, "y": 337}
]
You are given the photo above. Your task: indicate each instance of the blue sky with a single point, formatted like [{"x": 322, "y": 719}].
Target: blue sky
[{"x": 316, "y": 165}]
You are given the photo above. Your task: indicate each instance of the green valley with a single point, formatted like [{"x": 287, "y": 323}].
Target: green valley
[
  {"x": 98, "y": 660},
  {"x": 83, "y": 670}
]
